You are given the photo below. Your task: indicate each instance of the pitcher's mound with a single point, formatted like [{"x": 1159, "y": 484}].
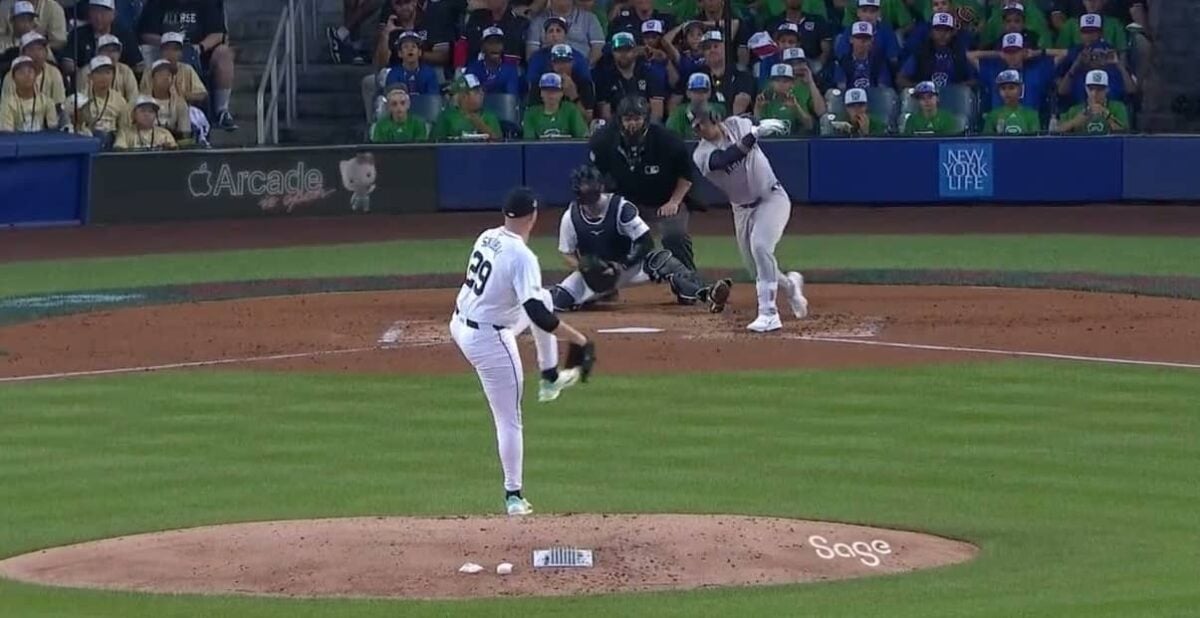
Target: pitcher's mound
[{"x": 420, "y": 557}]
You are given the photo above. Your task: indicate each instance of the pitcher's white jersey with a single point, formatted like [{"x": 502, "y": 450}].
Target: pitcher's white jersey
[
  {"x": 502, "y": 273},
  {"x": 746, "y": 181}
]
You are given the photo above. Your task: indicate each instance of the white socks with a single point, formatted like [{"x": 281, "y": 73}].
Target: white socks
[{"x": 766, "y": 297}]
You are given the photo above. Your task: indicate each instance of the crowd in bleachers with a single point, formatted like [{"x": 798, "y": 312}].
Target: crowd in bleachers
[
  {"x": 542, "y": 69},
  {"x": 135, "y": 74}
]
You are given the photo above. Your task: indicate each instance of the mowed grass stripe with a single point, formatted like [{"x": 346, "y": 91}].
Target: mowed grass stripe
[
  {"x": 1053, "y": 253},
  {"x": 1078, "y": 496}
]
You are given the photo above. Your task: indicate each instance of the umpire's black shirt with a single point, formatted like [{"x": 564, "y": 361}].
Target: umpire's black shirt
[{"x": 648, "y": 179}]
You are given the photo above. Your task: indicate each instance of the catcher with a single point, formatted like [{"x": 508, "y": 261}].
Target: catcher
[{"x": 608, "y": 246}]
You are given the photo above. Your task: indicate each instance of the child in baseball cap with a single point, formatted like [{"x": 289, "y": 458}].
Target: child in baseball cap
[
  {"x": 698, "y": 90},
  {"x": 49, "y": 79},
  {"x": 27, "y": 110},
  {"x": 187, "y": 82},
  {"x": 467, "y": 119},
  {"x": 124, "y": 80},
  {"x": 779, "y": 102},
  {"x": 554, "y": 118},
  {"x": 859, "y": 122},
  {"x": 928, "y": 119},
  {"x": 1012, "y": 118},
  {"x": 1099, "y": 115},
  {"x": 144, "y": 133}
]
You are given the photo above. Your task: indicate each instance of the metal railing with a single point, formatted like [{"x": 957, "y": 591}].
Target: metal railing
[{"x": 280, "y": 76}]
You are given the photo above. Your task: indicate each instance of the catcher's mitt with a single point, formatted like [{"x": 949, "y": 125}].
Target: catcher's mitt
[
  {"x": 599, "y": 275},
  {"x": 583, "y": 357}
]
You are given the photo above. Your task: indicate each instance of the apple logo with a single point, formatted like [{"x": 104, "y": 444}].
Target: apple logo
[{"x": 200, "y": 181}]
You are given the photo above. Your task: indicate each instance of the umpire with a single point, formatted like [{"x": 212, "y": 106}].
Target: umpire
[{"x": 652, "y": 168}]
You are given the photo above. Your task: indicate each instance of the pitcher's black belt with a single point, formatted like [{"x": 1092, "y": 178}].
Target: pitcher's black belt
[{"x": 473, "y": 324}]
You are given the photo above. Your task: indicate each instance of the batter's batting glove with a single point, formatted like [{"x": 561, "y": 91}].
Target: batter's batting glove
[
  {"x": 770, "y": 126},
  {"x": 583, "y": 357}
]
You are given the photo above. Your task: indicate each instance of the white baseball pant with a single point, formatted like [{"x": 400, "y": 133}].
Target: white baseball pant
[
  {"x": 758, "y": 230},
  {"x": 579, "y": 290},
  {"x": 492, "y": 350}
]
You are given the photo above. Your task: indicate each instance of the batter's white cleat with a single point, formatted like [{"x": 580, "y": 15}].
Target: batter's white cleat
[
  {"x": 798, "y": 302},
  {"x": 518, "y": 506},
  {"x": 766, "y": 324},
  {"x": 549, "y": 391}
]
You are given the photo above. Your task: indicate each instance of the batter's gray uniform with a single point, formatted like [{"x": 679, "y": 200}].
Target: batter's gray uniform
[{"x": 761, "y": 209}]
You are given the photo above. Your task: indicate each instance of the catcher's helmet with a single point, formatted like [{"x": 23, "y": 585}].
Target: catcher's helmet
[{"x": 587, "y": 183}]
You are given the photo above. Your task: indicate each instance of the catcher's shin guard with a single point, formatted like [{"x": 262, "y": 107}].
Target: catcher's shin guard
[
  {"x": 661, "y": 265},
  {"x": 563, "y": 301}
]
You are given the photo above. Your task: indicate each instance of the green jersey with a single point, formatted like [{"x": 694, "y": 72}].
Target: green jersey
[
  {"x": 1096, "y": 124},
  {"x": 942, "y": 123},
  {"x": 875, "y": 128},
  {"x": 452, "y": 124},
  {"x": 1113, "y": 32},
  {"x": 566, "y": 122},
  {"x": 388, "y": 131},
  {"x": 678, "y": 121},
  {"x": 777, "y": 110},
  {"x": 1019, "y": 120}
]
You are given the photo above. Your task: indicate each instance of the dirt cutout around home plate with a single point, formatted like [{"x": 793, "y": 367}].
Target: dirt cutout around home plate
[{"x": 420, "y": 557}]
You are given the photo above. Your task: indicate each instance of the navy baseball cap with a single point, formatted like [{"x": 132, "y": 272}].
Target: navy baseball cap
[
  {"x": 562, "y": 51},
  {"x": 550, "y": 80},
  {"x": 925, "y": 88},
  {"x": 555, "y": 20},
  {"x": 521, "y": 202},
  {"x": 1008, "y": 77}
]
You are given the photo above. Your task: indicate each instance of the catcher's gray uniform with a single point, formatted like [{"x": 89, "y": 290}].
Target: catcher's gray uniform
[{"x": 761, "y": 209}]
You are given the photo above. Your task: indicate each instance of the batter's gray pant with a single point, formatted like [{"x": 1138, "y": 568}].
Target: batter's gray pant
[{"x": 759, "y": 229}]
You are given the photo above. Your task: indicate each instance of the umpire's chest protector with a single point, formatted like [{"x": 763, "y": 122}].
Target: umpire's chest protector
[
  {"x": 602, "y": 238},
  {"x": 646, "y": 174}
]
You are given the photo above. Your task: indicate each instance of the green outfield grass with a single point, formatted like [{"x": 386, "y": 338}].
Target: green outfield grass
[
  {"x": 1079, "y": 482},
  {"x": 1094, "y": 254}
]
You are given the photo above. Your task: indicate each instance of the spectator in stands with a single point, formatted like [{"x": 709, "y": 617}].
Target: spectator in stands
[
  {"x": 632, "y": 17},
  {"x": 82, "y": 42},
  {"x": 712, "y": 16},
  {"x": 400, "y": 17},
  {"x": 107, "y": 110},
  {"x": 732, "y": 88},
  {"x": 1015, "y": 18},
  {"x": 172, "y": 110},
  {"x": 655, "y": 53},
  {"x": 467, "y": 120},
  {"x": 22, "y": 21},
  {"x": 940, "y": 59},
  {"x": 1094, "y": 54},
  {"x": 202, "y": 23},
  {"x": 578, "y": 89},
  {"x": 144, "y": 133},
  {"x": 786, "y": 36},
  {"x": 1099, "y": 115},
  {"x": 929, "y": 120},
  {"x": 892, "y": 15},
  {"x": 434, "y": 21},
  {"x": 351, "y": 41},
  {"x": 778, "y": 101},
  {"x": 1112, "y": 29},
  {"x": 806, "y": 91},
  {"x": 49, "y": 19},
  {"x": 496, "y": 75},
  {"x": 688, "y": 54},
  {"x": 554, "y": 36},
  {"x": 1012, "y": 117},
  {"x": 125, "y": 81},
  {"x": 496, "y": 14},
  {"x": 859, "y": 123},
  {"x": 815, "y": 33},
  {"x": 584, "y": 33},
  {"x": 398, "y": 126},
  {"x": 885, "y": 41},
  {"x": 699, "y": 90},
  {"x": 187, "y": 82},
  {"x": 416, "y": 76},
  {"x": 1035, "y": 66},
  {"x": 554, "y": 118},
  {"x": 48, "y": 79},
  {"x": 26, "y": 110},
  {"x": 623, "y": 73},
  {"x": 863, "y": 66}
]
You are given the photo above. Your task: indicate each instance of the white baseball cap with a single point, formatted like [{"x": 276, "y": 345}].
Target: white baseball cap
[
  {"x": 491, "y": 31},
  {"x": 1097, "y": 78},
  {"x": 788, "y": 26},
  {"x": 1091, "y": 21},
  {"x": 145, "y": 100},
  {"x": 653, "y": 25},
  {"x": 874, "y": 3},
  {"x": 782, "y": 69},
  {"x": 29, "y": 38},
  {"x": 942, "y": 20},
  {"x": 108, "y": 4},
  {"x": 23, "y": 8},
  {"x": 159, "y": 64},
  {"x": 862, "y": 28},
  {"x": 1013, "y": 40},
  {"x": 1013, "y": 6},
  {"x": 713, "y": 36},
  {"x": 1009, "y": 77},
  {"x": 100, "y": 61},
  {"x": 855, "y": 96},
  {"x": 19, "y": 61},
  {"x": 172, "y": 37},
  {"x": 107, "y": 40},
  {"x": 793, "y": 53}
]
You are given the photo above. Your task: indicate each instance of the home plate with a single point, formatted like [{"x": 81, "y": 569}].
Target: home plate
[{"x": 630, "y": 330}]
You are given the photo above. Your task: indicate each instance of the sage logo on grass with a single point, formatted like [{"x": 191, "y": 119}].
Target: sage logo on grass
[{"x": 965, "y": 170}]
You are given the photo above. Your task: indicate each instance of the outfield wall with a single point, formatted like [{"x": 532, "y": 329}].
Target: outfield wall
[{"x": 46, "y": 180}]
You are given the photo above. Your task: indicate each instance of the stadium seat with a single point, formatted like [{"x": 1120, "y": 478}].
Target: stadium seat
[
  {"x": 426, "y": 106},
  {"x": 960, "y": 122},
  {"x": 507, "y": 107},
  {"x": 885, "y": 104},
  {"x": 835, "y": 102}
]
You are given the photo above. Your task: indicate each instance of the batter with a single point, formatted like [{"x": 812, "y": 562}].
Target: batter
[
  {"x": 501, "y": 296},
  {"x": 729, "y": 156}
]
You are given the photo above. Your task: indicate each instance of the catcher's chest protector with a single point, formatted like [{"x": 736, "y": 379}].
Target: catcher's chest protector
[{"x": 604, "y": 238}]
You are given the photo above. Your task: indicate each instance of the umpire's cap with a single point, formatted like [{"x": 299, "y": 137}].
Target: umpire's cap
[
  {"x": 521, "y": 202},
  {"x": 633, "y": 105},
  {"x": 699, "y": 112}
]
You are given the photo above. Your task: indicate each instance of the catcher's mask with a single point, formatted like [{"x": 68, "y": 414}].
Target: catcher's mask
[{"x": 587, "y": 183}]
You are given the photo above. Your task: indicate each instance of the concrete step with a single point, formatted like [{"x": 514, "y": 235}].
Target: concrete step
[
  {"x": 318, "y": 77},
  {"x": 330, "y": 105},
  {"x": 315, "y": 132}
]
